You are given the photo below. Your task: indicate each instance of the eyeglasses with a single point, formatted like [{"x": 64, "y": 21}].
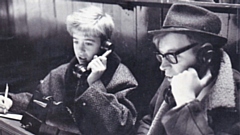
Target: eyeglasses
[{"x": 172, "y": 56}]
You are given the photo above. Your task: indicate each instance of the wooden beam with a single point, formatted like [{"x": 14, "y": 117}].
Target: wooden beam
[{"x": 129, "y": 4}]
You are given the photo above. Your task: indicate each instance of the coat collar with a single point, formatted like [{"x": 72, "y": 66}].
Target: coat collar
[{"x": 222, "y": 92}]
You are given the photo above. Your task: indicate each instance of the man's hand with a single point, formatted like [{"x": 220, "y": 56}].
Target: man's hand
[
  {"x": 98, "y": 65},
  {"x": 187, "y": 85},
  {"x": 5, "y": 104}
]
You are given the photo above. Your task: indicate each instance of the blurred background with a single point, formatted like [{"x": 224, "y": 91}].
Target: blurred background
[{"x": 34, "y": 40}]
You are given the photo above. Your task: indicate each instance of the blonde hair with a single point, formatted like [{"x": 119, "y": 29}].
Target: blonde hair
[
  {"x": 156, "y": 38},
  {"x": 92, "y": 21}
]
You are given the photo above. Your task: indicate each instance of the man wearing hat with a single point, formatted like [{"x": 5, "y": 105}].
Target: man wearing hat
[{"x": 200, "y": 92}]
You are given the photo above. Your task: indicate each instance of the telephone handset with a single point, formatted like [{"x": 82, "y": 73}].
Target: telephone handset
[
  {"x": 106, "y": 48},
  {"x": 168, "y": 96},
  {"x": 202, "y": 70},
  {"x": 204, "y": 57}
]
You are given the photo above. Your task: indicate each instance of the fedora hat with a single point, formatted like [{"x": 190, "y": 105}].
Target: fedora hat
[{"x": 190, "y": 18}]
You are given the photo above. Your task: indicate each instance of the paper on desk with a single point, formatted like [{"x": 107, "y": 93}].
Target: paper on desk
[{"x": 13, "y": 116}]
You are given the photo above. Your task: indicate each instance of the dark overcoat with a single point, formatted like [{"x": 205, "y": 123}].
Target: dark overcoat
[{"x": 99, "y": 109}]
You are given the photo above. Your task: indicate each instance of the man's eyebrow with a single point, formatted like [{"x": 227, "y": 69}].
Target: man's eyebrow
[{"x": 168, "y": 51}]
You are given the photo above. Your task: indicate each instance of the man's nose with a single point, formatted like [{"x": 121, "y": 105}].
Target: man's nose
[{"x": 164, "y": 64}]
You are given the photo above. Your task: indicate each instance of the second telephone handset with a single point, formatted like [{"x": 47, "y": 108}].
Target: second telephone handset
[
  {"x": 204, "y": 57},
  {"x": 168, "y": 96},
  {"x": 106, "y": 47}
]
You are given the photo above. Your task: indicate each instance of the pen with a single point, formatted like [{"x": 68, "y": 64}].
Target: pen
[
  {"x": 6, "y": 93},
  {"x": 5, "y": 97}
]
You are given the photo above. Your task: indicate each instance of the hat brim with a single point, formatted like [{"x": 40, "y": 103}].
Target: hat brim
[{"x": 220, "y": 41}]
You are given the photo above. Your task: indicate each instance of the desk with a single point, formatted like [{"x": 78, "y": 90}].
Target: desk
[{"x": 12, "y": 127}]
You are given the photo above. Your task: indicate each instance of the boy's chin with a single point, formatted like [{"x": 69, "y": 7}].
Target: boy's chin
[{"x": 169, "y": 78}]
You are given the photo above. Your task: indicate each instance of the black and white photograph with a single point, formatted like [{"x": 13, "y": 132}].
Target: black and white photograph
[{"x": 119, "y": 67}]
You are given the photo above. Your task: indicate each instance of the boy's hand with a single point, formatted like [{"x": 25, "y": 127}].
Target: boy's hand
[
  {"x": 187, "y": 85},
  {"x": 5, "y": 104},
  {"x": 98, "y": 65}
]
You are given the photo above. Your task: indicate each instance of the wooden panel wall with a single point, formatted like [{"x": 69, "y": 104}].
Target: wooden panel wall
[{"x": 40, "y": 42}]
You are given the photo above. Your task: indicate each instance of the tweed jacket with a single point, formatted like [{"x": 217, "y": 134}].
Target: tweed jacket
[
  {"x": 99, "y": 109},
  {"x": 217, "y": 114}
]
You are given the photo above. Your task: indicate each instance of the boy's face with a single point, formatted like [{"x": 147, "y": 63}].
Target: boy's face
[
  {"x": 171, "y": 43},
  {"x": 85, "y": 47}
]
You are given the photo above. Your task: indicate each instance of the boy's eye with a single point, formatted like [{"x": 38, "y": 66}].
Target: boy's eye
[
  {"x": 75, "y": 41},
  {"x": 88, "y": 43}
]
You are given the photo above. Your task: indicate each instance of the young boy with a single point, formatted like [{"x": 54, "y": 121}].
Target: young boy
[{"x": 94, "y": 99}]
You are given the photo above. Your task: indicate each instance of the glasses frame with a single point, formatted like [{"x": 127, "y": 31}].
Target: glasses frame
[{"x": 160, "y": 56}]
